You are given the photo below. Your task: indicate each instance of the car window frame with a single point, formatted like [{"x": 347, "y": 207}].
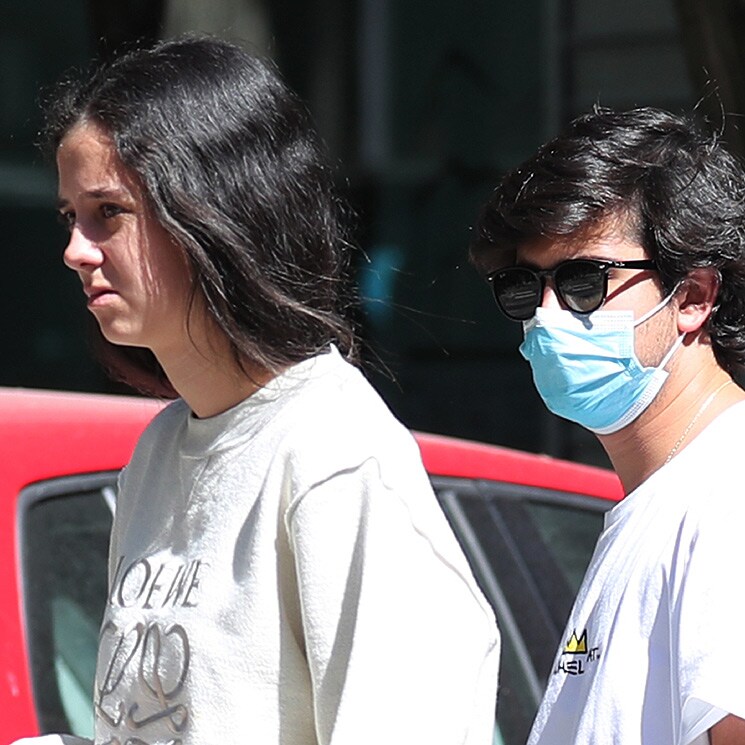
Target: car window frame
[{"x": 30, "y": 496}]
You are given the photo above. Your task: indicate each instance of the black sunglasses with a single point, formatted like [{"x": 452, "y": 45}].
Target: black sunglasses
[{"x": 581, "y": 284}]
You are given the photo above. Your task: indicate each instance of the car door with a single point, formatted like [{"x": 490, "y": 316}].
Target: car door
[{"x": 529, "y": 548}]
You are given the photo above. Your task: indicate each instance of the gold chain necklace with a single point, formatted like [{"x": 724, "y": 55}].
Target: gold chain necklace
[{"x": 704, "y": 406}]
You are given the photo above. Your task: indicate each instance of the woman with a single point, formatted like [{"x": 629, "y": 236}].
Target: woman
[{"x": 279, "y": 569}]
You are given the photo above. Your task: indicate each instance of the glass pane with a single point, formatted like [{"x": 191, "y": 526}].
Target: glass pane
[
  {"x": 65, "y": 548},
  {"x": 569, "y": 534}
]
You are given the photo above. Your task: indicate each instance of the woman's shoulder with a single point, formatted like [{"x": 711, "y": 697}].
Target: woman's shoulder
[
  {"x": 174, "y": 411},
  {"x": 163, "y": 423},
  {"x": 343, "y": 422},
  {"x": 341, "y": 403}
]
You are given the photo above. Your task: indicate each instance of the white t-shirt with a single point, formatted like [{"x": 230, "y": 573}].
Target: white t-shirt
[
  {"x": 653, "y": 653},
  {"x": 282, "y": 573}
]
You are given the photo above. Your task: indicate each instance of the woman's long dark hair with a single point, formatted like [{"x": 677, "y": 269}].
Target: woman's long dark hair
[{"x": 235, "y": 173}]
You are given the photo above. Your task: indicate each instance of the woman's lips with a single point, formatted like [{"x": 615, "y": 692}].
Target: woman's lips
[{"x": 98, "y": 296}]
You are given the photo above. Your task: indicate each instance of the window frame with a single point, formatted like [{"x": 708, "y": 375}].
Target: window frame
[{"x": 29, "y": 497}]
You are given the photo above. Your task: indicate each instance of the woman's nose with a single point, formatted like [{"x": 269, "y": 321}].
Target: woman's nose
[{"x": 81, "y": 253}]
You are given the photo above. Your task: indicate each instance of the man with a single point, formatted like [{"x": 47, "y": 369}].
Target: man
[{"x": 620, "y": 247}]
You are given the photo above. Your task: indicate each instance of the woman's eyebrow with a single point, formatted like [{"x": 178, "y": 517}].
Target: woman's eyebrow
[{"x": 100, "y": 193}]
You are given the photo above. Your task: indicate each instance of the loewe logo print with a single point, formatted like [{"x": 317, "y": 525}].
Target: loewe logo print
[{"x": 144, "y": 665}]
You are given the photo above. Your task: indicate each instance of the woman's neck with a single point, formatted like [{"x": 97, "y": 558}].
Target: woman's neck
[{"x": 206, "y": 374}]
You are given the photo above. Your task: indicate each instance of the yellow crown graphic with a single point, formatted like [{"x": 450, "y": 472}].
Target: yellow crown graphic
[{"x": 577, "y": 645}]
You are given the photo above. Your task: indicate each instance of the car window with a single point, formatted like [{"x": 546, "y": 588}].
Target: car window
[
  {"x": 570, "y": 534},
  {"x": 64, "y": 534},
  {"x": 529, "y": 549}
]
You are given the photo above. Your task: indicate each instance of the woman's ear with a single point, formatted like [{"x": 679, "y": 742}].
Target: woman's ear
[{"x": 697, "y": 297}]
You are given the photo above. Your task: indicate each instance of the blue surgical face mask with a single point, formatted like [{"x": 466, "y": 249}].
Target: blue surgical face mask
[{"x": 585, "y": 367}]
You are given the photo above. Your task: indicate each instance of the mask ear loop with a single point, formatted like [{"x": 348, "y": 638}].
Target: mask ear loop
[
  {"x": 657, "y": 308},
  {"x": 714, "y": 308},
  {"x": 671, "y": 352}
]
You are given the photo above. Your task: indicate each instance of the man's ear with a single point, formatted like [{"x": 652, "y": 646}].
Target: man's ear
[{"x": 697, "y": 297}]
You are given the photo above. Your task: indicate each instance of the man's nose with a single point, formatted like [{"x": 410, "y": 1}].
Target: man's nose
[
  {"x": 549, "y": 298},
  {"x": 81, "y": 253}
]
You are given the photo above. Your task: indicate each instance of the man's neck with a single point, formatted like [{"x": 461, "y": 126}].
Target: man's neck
[{"x": 695, "y": 393}]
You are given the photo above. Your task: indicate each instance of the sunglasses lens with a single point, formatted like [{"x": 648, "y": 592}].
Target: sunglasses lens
[
  {"x": 518, "y": 292},
  {"x": 581, "y": 285}
]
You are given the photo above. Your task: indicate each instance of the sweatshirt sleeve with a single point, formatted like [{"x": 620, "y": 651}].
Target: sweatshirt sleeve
[{"x": 401, "y": 646}]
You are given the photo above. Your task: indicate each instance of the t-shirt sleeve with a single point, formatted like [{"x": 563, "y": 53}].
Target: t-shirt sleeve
[
  {"x": 400, "y": 644},
  {"x": 708, "y": 613}
]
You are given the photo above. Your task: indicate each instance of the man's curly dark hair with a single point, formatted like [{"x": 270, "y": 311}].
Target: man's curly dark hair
[{"x": 677, "y": 189}]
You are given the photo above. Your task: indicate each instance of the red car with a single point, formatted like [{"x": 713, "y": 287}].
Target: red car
[{"x": 527, "y": 523}]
